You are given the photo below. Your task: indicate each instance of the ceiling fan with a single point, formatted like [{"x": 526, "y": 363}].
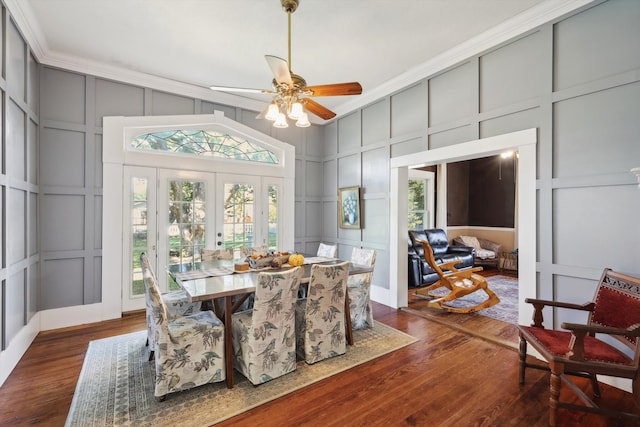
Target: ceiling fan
[{"x": 291, "y": 95}]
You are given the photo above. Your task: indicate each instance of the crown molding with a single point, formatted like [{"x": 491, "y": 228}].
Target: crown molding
[{"x": 547, "y": 11}]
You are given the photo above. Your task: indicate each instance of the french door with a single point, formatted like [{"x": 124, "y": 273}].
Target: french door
[
  {"x": 172, "y": 215},
  {"x": 139, "y": 232}
]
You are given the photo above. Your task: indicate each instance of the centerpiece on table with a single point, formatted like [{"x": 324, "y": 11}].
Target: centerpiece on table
[{"x": 272, "y": 259}]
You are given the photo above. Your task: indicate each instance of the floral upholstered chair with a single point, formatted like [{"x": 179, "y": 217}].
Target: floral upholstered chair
[
  {"x": 216, "y": 254},
  {"x": 264, "y": 339},
  {"x": 320, "y": 318},
  {"x": 177, "y": 302},
  {"x": 327, "y": 251},
  {"x": 189, "y": 349},
  {"x": 359, "y": 287}
]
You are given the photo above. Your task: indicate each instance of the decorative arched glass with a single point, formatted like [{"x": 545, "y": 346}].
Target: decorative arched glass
[{"x": 204, "y": 143}]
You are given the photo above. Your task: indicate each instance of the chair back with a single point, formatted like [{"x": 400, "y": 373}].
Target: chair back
[
  {"x": 324, "y": 317},
  {"x": 414, "y": 237},
  {"x": 363, "y": 257},
  {"x": 272, "y": 338},
  {"x": 429, "y": 257},
  {"x": 438, "y": 240},
  {"x": 216, "y": 254},
  {"x": 617, "y": 304},
  {"x": 328, "y": 251},
  {"x": 157, "y": 316}
]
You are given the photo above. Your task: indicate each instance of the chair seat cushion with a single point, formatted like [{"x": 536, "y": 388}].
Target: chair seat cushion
[
  {"x": 485, "y": 254},
  {"x": 558, "y": 343}
]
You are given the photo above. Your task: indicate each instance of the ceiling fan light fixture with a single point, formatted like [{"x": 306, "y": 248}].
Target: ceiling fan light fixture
[
  {"x": 281, "y": 121},
  {"x": 272, "y": 112},
  {"x": 296, "y": 111},
  {"x": 303, "y": 121}
]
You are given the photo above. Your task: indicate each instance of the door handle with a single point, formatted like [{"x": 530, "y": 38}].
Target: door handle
[{"x": 219, "y": 243}]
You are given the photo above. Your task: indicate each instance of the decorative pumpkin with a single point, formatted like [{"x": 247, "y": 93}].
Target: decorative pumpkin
[{"x": 296, "y": 260}]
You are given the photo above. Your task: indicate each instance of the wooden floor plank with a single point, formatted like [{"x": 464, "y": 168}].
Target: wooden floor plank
[{"x": 450, "y": 377}]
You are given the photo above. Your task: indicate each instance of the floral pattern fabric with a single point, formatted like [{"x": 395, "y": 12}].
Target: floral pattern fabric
[
  {"x": 177, "y": 303},
  {"x": 264, "y": 339},
  {"x": 359, "y": 288},
  {"x": 189, "y": 350},
  {"x": 327, "y": 251},
  {"x": 320, "y": 318},
  {"x": 216, "y": 254}
]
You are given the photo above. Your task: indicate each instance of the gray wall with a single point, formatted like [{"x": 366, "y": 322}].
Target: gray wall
[
  {"x": 71, "y": 130},
  {"x": 578, "y": 82}
]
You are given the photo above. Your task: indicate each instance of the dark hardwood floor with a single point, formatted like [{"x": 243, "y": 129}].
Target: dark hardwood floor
[{"x": 450, "y": 377}]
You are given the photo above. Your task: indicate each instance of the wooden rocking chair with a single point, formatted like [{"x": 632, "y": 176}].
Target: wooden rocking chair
[{"x": 459, "y": 282}]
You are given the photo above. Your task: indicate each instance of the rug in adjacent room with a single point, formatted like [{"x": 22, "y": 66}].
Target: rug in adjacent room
[
  {"x": 504, "y": 286},
  {"x": 116, "y": 383}
]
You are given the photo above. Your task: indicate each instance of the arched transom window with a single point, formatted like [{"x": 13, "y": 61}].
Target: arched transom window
[{"x": 204, "y": 143}]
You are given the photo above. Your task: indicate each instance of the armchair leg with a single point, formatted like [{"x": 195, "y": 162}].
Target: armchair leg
[
  {"x": 523, "y": 358},
  {"x": 554, "y": 397},
  {"x": 595, "y": 385}
]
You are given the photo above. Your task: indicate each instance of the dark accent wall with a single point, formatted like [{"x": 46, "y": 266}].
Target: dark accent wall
[{"x": 482, "y": 192}]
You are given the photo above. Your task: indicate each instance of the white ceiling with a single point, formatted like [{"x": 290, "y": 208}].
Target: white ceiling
[{"x": 383, "y": 44}]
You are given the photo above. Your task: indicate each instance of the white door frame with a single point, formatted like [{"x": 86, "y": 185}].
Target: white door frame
[
  {"x": 118, "y": 131},
  {"x": 523, "y": 143}
]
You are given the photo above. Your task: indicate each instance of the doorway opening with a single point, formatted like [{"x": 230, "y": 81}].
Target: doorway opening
[{"x": 524, "y": 144}]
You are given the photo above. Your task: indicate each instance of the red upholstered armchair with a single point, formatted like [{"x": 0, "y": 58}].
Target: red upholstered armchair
[{"x": 578, "y": 351}]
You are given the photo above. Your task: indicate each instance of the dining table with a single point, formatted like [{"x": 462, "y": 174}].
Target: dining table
[{"x": 217, "y": 281}]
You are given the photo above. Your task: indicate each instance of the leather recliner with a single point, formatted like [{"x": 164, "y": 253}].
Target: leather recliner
[{"x": 420, "y": 273}]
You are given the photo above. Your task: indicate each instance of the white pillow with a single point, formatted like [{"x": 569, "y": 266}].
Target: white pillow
[{"x": 471, "y": 241}]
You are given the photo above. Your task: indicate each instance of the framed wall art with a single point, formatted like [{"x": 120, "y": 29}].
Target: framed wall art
[{"x": 349, "y": 207}]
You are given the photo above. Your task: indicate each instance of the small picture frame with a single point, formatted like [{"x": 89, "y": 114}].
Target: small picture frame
[{"x": 349, "y": 207}]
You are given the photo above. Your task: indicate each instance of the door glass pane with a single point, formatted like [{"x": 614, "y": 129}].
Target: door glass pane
[
  {"x": 417, "y": 194},
  {"x": 187, "y": 217},
  {"x": 273, "y": 217},
  {"x": 239, "y": 216},
  {"x": 139, "y": 204}
]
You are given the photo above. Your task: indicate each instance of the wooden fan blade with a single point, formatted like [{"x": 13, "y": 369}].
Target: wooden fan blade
[
  {"x": 336, "y": 89},
  {"x": 239, "y": 89},
  {"x": 280, "y": 69},
  {"x": 318, "y": 110}
]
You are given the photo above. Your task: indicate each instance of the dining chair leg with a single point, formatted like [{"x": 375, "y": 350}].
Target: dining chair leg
[
  {"x": 347, "y": 319},
  {"x": 228, "y": 344}
]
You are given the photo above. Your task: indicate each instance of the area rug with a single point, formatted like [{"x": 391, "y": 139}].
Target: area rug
[
  {"x": 504, "y": 286},
  {"x": 115, "y": 387}
]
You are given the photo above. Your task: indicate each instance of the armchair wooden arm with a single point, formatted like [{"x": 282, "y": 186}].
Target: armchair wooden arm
[
  {"x": 539, "y": 304},
  {"x": 631, "y": 331},
  {"x": 579, "y": 332}
]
